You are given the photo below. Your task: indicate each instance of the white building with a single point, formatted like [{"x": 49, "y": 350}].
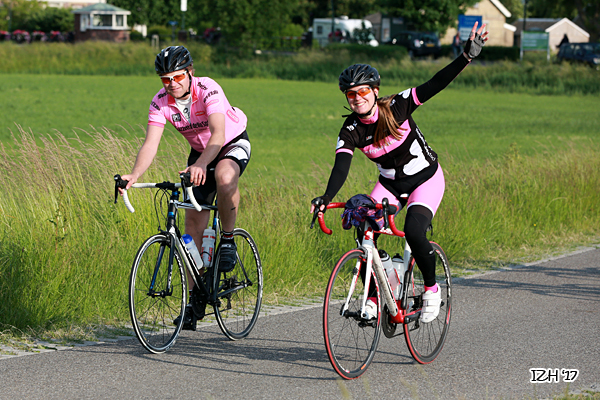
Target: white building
[
  {"x": 556, "y": 29},
  {"x": 74, "y": 4}
]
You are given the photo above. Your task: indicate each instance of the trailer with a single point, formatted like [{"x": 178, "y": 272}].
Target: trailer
[{"x": 343, "y": 31}]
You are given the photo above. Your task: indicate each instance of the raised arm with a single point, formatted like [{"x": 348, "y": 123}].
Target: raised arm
[{"x": 477, "y": 39}]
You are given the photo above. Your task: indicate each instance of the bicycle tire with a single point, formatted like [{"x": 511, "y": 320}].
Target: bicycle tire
[
  {"x": 153, "y": 311},
  {"x": 239, "y": 292},
  {"x": 426, "y": 340},
  {"x": 351, "y": 342}
]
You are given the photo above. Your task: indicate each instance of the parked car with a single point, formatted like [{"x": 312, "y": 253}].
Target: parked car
[
  {"x": 588, "y": 53},
  {"x": 418, "y": 43}
]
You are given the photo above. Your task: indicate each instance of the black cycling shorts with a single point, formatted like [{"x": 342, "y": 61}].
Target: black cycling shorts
[{"x": 237, "y": 150}]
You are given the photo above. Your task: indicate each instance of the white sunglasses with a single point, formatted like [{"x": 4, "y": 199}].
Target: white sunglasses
[{"x": 177, "y": 78}]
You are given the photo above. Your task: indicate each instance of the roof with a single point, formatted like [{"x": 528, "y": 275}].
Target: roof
[
  {"x": 101, "y": 7},
  {"x": 546, "y": 25},
  {"x": 501, "y": 8}
]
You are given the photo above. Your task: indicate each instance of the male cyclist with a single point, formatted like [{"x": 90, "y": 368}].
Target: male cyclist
[{"x": 220, "y": 149}]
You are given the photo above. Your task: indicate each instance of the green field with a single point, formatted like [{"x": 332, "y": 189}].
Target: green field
[
  {"x": 294, "y": 123},
  {"x": 522, "y": 182}
]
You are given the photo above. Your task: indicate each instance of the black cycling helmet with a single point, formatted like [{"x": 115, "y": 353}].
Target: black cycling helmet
[
  {"x": 359, "y": 74},
  {"x": 171, "y": 59}
]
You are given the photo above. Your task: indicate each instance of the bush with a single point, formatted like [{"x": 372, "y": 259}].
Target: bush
[
  {"x": 366, "y": 53},
  {"x": 497, "y": 53},
  {"x": 489, "y": 53},
  {"x": 533, "y": 75},
  {"x": 164, "y": 33},
  {"x": 136, "y": 36}
]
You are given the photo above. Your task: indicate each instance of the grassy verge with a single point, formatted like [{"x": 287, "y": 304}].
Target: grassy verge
[
  {"x": 101, "y": 58},
  {"x": 66, "y": 249}
]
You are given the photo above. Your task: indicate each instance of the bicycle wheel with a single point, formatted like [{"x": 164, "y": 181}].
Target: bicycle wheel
[
  {"x": 153, "y": 305},
  {"x": 425, "y": 340},
  {"x": 239, "y": 292},
  {"x": 350, "y": 341}
]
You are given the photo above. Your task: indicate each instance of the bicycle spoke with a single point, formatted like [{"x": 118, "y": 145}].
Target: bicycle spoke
[
  {"x": 240, "y": 299},
  {"x": 350, "y": 341},
  {"x": 153, "y": 316},
  {"x": 425, "y": 340}
]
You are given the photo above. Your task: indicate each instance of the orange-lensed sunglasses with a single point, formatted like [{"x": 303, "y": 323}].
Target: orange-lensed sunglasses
[
  {"x": 362, "y": 92},
  {"x": 177, "y": 78}
]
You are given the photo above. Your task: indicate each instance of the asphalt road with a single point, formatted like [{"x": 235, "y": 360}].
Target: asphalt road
[{"x": 542, "y": 316}]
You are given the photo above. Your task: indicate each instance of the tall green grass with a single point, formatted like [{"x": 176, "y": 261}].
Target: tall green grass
[
  {"x": 66, "y": 249},
  {"x": 292, "y": 123},
  {"x": 102, "y": 58}
]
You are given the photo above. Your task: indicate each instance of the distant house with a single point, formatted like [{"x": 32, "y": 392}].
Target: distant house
[
  {"x": 75, "y": 4},
  {"x": 494, "y": 15},
  {"x": 101, "y": 22},
  {"x": 556, "y": 28}
]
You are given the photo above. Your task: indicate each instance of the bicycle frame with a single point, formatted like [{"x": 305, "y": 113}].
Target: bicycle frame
[
  {"x": 173, "y": 232},
  {"x": 396, "y": 308}
]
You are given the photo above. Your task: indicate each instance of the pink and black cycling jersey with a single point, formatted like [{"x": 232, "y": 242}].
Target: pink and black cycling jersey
[
  {"x": 403, "y": 163},
  {"x": 207, "y": 98},
  {"x": 396, "y": 158}
]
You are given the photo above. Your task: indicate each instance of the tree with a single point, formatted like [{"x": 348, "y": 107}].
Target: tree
[
  {"x": 307, "y": 10},
  {"x": 516, "y": 9},
  {"x": 427, "y": 15},
  {"x": 50, "y": 19},
  {"x": 583, "y": 12},
  {"x": 151, "y": 12},
  {"x": 18, "y": 11},
  {"x": 249, "y": 23}
]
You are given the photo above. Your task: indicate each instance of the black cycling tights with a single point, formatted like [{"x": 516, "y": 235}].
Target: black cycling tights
[{"x": 418, "y": 219}]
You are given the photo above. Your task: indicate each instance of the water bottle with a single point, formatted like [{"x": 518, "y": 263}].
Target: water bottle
[
  {"x": 399, "y": 267},
  {"x": 191, "y": 246},
  {"x": 388, "y": 265},
  {"x": 208, "y": 245}
]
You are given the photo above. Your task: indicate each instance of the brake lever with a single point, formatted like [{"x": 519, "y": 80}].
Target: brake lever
[
  {"x": 186, "y": 179},
  {"x": 385, "y": 204},
  {"x": 317, "y": 205},
  {"x": 119, "y": 183}
]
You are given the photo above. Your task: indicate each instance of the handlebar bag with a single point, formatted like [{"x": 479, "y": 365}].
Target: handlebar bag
[{"x": 361, "y": 208}]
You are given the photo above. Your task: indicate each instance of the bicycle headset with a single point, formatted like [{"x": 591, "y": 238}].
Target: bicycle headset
[{"x": 171, "y": 59}]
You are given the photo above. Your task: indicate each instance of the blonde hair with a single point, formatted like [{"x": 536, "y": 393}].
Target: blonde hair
[{"x": 386, "y": 124}]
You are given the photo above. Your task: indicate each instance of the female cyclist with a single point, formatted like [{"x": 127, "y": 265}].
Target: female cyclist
[
  {"x": 220, "y": 149},
  {"x": 383, "y": 129}
]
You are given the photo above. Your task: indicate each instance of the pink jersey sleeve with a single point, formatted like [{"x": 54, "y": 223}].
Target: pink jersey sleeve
[{"x": 155, "y": 114}]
